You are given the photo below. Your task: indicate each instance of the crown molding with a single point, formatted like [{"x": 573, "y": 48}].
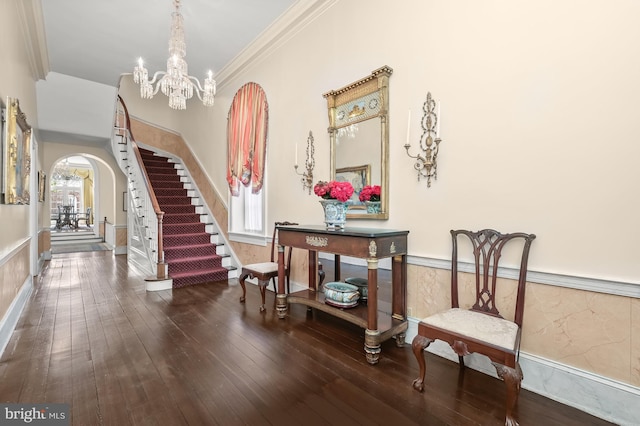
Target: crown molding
[
  {"x": 32, "y": 24},
  {"x": 294, "y": 19}
]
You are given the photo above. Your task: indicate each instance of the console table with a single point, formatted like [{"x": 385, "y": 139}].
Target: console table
[{"x": 371, "y": 244}]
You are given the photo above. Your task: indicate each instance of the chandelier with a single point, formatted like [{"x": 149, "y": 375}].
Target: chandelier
[
  {"x": 62, "y": 171},
  {"x": 176, "y": 83}
]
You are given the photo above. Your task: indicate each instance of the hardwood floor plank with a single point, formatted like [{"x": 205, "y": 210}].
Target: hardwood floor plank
[{"x": 91, "y": 336}]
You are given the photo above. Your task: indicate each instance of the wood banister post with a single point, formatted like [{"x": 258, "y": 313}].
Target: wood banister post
[{"x": 162, "y": 266}]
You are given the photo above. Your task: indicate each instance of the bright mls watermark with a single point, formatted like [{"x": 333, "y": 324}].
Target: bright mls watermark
[{"x": 35, "y": 414}]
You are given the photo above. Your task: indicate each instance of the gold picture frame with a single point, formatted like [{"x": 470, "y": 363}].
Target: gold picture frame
[
  {"x": 359, "y": 116},
  {"x": 42, "y": 185},
  {"x": 16, "y": 155},
  {"x": 358, "y": 176}
]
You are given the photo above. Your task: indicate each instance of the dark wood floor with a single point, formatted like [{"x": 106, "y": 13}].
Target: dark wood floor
[{"x": 92, "y": 337}]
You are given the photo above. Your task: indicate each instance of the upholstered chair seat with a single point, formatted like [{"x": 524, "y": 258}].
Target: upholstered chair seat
[{"x": 474, "y": 325}]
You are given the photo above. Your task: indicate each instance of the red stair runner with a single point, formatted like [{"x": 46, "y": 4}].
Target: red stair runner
[{"x": 188, "y": 250}]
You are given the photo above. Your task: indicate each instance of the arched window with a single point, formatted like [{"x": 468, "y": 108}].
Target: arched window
[{"x": 247, "y": 128}]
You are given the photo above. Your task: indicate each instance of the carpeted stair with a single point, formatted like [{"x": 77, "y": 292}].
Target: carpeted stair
[{"x": 188, "y": 250}]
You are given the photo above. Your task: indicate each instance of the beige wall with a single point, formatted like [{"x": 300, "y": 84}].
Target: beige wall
[
  {"x": 15, "y": 81},
  {"x": 537, "y": 103},
  {"x": 538, "y": 110}
]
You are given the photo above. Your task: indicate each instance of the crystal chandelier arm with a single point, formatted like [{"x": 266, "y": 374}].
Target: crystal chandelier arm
[
  {"x": 197, "y": 85},
  {"x": 209, "y": 90},
  {"x": 155, "y": 78}
]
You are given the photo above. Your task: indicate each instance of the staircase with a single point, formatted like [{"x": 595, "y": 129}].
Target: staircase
[
  {"x": 76, "y": 236},
  {"x": 191, "y": 249}
]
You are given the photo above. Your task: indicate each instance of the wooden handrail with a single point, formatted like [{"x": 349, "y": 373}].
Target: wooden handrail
[{"x": 161, "y": 266}]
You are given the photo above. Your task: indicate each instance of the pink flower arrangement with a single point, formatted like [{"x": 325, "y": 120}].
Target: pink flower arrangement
[
  {"x": 340, "y": 191},
  {"x": 370, "y": 193}
]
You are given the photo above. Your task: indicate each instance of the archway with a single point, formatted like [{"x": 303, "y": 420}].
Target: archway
[{"x": 72, "y": 194}]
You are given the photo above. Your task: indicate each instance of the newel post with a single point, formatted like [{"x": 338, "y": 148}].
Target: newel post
[{"x": 162, "y": 266}]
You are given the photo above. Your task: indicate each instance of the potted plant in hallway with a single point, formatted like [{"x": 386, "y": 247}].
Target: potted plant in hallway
[
  {"x": 333, "y": 197},
  {"x": 370, "y": 196}
]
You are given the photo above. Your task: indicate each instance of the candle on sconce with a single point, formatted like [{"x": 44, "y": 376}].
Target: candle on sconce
[
  {"x": 296, "y": 163},
  {"x": 438, "y": 126},
  {"x": 408, "y": 127}
]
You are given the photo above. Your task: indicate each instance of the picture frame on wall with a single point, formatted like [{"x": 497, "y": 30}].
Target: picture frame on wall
[
  {"x": 42, "y": 185},
  {"x": 16, "y": 155},
  {"x": 125, "y": 201},
  {"x": 359, "y": 176}
]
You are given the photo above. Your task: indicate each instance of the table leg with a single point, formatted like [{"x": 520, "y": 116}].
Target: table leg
[
  {"x": 372, "y": 346},
  {"x": 281, "y": 297},
  {"x": 313, "y": 270},
  {"x": 399, "y": 287},
  {"x": 372, "y": 335}
]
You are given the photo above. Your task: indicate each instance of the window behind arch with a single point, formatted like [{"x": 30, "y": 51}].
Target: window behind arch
[{"x": 247, "y": 128}]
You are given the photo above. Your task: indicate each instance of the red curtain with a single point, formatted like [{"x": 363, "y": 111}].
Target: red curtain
[{"x": 247, "y": 125}]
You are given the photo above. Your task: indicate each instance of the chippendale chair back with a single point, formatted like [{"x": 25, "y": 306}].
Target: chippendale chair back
[
  {"x": 84, "y": 216},
  {"x": 481, "y": 328},
  {"x": 267, "y": 271}
]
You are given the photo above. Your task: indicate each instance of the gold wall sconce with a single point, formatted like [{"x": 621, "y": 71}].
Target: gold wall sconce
[
  {"x": 426, "y": 161},
  {"x": 309, "y": 164}
]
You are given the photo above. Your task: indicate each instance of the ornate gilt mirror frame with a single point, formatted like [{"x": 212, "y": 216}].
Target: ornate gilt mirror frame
[
  {"x": 358, "y": 128},
  {"x": 16, "y": 155}
]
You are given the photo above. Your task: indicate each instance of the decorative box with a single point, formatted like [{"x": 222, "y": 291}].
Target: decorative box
[
  {"x": 341, "y": 295},
  {"x": 362, "y": 284}
]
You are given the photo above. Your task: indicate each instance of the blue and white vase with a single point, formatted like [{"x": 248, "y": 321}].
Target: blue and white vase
[
  {"x": 373, "y": 207},
  {"x": 335, "y": 213}
]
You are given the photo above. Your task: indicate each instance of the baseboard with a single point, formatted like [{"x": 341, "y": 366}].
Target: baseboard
[
  {"x": 154, "y": 284},
  {"x": 10, "y": 319},
  {"x": 118, "y": 250},
  {"x": 602, "y": 397}
]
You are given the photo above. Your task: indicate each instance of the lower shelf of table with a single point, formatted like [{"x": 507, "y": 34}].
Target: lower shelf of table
[{"x": 358, "y": 315}]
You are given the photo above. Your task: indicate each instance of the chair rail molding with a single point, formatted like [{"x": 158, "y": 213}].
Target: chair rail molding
[{"x": 619, "y": 288}]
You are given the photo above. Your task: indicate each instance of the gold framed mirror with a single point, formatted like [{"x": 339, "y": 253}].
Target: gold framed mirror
[
  {"x": 359, "y": 138},
  {"x": 16, "y": 155}
]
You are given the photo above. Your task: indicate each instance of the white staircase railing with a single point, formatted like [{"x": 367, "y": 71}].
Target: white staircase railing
[{"x": 144, "y": 218}]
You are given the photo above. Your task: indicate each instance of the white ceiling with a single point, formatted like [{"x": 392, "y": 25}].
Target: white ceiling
[{"x": 98, "y": 40}]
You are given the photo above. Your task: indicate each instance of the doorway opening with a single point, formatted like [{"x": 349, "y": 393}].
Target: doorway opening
[{"x": 71, "y": 195}]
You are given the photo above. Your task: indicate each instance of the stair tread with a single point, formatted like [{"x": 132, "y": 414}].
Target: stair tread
[
  {"x": 197, "y": 272},
  {"x": 197, "y": 260},
  {"x": 188, "y": 246}
]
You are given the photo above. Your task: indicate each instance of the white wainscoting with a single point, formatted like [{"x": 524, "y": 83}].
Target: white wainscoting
[{"x": 10, "y": 320}]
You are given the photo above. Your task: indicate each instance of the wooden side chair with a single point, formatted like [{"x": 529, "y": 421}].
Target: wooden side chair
[
  {"x": 481, "y": 329},
  {"x": 84, "y": 216},
  {"x": 267, "y": 271}
]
